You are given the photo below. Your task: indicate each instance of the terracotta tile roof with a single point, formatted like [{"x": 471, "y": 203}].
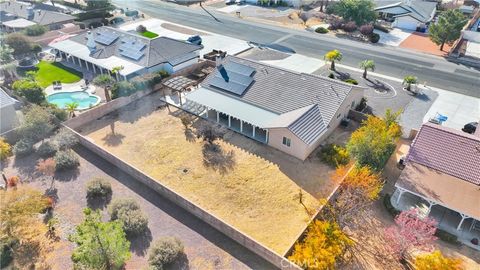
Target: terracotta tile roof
[{"x": 447, "y": 150}]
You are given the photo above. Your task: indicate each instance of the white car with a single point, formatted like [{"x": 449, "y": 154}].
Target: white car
[
  {"x": 239, "y": 2},
  {"x": 229, "y": 2}
]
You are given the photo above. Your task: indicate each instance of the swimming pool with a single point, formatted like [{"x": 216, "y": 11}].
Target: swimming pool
[{"x": 84, "y": 99}]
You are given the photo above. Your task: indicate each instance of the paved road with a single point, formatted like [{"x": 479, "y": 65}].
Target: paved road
[{"x": 392, "y": 61}]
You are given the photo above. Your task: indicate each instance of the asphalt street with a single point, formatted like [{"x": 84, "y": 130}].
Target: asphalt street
[{"x": 393, "y": 61}]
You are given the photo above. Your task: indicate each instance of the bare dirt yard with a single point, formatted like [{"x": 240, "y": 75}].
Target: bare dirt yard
[{"x": 257, "y": 191}]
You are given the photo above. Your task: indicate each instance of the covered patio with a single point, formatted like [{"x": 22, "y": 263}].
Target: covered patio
[
  {"x": 241, "y": 117},
  {"x": 452, "y": 202}
]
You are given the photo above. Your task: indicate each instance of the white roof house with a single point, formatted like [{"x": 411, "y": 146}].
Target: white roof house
[{"x": 407, "y": 14}]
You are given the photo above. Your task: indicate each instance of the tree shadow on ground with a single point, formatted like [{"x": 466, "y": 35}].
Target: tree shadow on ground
[
  {"x": 216, "y": 158},
  {"x": 139, "y": 244},
  {"x": 99, "y": 202},
  {"x": 67, "y": 175},
  {"x": 190, "y": 135},
  {"x": 342, "y": 75},
  {"x": 423, "y": 97},
  {"x": 26, "y": 166},
  {"x": 113, "y": 139},
  {"x": 377, "y": 85},
  {"x": 181, "y": 263}
]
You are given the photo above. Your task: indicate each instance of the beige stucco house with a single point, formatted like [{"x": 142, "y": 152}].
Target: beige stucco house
[{"x": 290, "y": 111}]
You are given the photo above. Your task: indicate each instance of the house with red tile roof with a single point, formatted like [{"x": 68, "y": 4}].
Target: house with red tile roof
[{"x": 441, "y": 178}]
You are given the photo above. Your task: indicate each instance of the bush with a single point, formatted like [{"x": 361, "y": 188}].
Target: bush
[
  {"x": 141, "y": 29},
  {"x": 350, "y": 27},
  {"x": 60, "y": 114},
  {"x": 334, "y": 155},
  {"x": 331, "y": 76},
  {"x": 374, "y": 38},
  {"x": 366, "y": 29},
  {"x": 163, "y": 73},
  {"x": 351, "y": 81},
  {"x": 94, "y": 25},
  {"x": 336, "y": 24},
  {"x": 47, "y": 149},
  {"x": 164, "y": 252},
  {"x": 118, "y": 204},
  {"x": 6, "y": 255},
  {"x": 388, "y": 205},
  {"x": 36, "y": 48},
  {"x": 321, "y": 30},
  {"x": 5, "y": 149},
  {"x": 123, "y": 89},
  {"x": 35, "y": 30},
  {"x": 128, "y": 212},
  {"x": 66, "y": 160},
  {"x": 23, "y": 147},
  {"x": 65, "y": 139},
  {"x": 381, "y": 28},
  {"x": 447, "y": 237},
  {"x": 30, "y": 90},
  {"x": 98, "y": 188}
]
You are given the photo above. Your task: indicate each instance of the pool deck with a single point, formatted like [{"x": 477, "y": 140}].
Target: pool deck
[{"x": 76, "y": 87}]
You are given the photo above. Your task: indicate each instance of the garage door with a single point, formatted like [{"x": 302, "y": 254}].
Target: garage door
[{"x": 404, "y": 23}]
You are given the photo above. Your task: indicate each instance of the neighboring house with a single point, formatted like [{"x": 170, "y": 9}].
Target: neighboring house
[
  {"x": 8, "y": 115},
  {"x": 290, "y": 111},
  {"x": 470, "y": 39},
  {"x": 15, "y": 16},
  {"x": 102, "y": 49},
  {"x": 441, "y": 178},
  {"x": 412, "y": 15}
]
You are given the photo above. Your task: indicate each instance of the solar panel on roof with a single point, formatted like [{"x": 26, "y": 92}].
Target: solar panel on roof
[
  {"x": 133, "y": 54},
  {"x": 135, "y": 45},
  {"x": 106, "y": 38},
  {"x": 239, "y": 68},
  {"x": 231, "y": 81},
  {"x": 231, "y": 87}
]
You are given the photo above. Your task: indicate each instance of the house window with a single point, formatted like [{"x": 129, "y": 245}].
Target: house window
[
  {"x": 286, "y": 141},
  {"x": 353, "y": 104},
  {"x": 338, "y": 115}
]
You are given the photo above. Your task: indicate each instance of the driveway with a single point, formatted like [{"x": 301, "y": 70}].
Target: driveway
[
  {"x": 210, "y": 40},
  {"x": 394, "y": 37},
  {"x": 422, "y": 43}
]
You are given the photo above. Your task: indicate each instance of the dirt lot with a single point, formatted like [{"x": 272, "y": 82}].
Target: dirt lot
[{"x": 258, "y": 192}]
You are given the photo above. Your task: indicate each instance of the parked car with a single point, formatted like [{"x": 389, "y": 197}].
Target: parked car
[
  {"x": 195, "y": 40},
  {"x": 470, "y": 127},
  {"x": 229, "y": 2},
  {"x": 239, "y": 2}
]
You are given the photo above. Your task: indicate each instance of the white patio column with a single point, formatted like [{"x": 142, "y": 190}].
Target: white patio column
[
  {"x": 253, "y": 131},
  {"x": 101, "y": 70},
  {"x": 218, "y": 116},
  {"x": 266, "y": 135},
  {"x": 430, "y": 205},
  {"x": 400, "y": 193},
  {"x": 241, "y": 126},
  {"x": 86, "y": 64},
  {"x": 125, "y": 77},
  {"x": 229, "y": 121},
  {"x": 94, "y": 69},
  {"x": 461, "y": 221}
]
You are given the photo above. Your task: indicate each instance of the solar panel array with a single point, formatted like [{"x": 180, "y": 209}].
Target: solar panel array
[
  {"x": 233, "y": 77},
  {"x": 132, "y": 49},
  {"x": 106, "y": 38}
]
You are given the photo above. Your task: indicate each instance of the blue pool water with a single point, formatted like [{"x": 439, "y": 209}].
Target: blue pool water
[{"x": 83, "y": 99}]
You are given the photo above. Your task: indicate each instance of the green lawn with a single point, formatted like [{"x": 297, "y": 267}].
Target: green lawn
[
  {"x": 149, "y": 34},
  {"x": 48, "y": 72}
]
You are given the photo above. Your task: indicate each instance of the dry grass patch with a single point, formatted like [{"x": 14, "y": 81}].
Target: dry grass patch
[{"x": 255, "y": 195}]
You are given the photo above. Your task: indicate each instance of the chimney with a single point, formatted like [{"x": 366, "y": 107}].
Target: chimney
[
  {"x": 218, "y": 60},
  {"x": 91, "y": 42},
  {"x": 30, "y": 13}
]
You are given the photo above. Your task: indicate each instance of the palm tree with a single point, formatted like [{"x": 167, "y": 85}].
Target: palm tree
[
  {"x": 333, "y": 56},
  {"x": 105, "y": 81},
  {"x": 116, "y": 70},
  {"x": 71, "y": 108},
  {"x": 408, "y": 81},
  {"x": 366, "y": 65}
]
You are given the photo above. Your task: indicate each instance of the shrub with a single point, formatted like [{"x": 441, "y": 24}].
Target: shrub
[
  {"x": 164, "y": 252},
  {"x": 331, "y": 76},
  {"x": 30, "y": 90},
  {"x": 23, "y": 147},
  {"x": 5, "y": 149},
  {"x": 334, "y": 155},
  {"x": 65, "y": 139},
  {"x": 60, "y": 114},
  {"x": 351, "y": 81},
  {"x": 381, "y": 28},
  {"x": 6, "y": 255},
  {"x": 388, "y": 205},
  {"x": 35, "y": 30},
  {"x": 321, "y": 30},
  {"x": 47, "y": 149},
  {"x": 19, "y": 43},
  {"x": 94, "y": 25},
  {"x": 36, "y": 48},
  {"x": 123, "y": 89},
  {"x": 141, "y": 29},
  {"x": 336, "y": 24},
  {"x": 374, "y": 38},
  {"x": 66, "y": 160},
  {"x": 99, "y": 188},
  {"x": 128, "y": 212},
  {"x": 163, "y": 73},
  {"x": 446, "y": 236},
  {"x": 366, "y": 29},
  {"x": 350, "y": 27},
  {"x": 118, "y": 204}
]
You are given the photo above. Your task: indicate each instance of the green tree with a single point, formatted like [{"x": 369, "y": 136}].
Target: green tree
[
  {"x": 448, "y": 27},
  {"x": 101, "y": 245},
  {"x": 374, "y": 142},
  {"x": 35, "y": 30},
  {"x": 38, "y": 124},
  {"x": 20, "y": 44},
  {"x": 106, "y": 82},
  {"x": 30, "y": 90},
  {"x": 359, "y": 11},
  {"x": 6, "y": 53},
  {"x": 408, "y": 81},
  {"x": 332, "y": 56},
  {"x": 71, "y": 108},
  {"x": 367, "y": 65}
]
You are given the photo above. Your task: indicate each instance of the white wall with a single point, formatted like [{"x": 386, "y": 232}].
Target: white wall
[
  {"x": 8, "y": 118},
  {"x": 471, "y": 35}
]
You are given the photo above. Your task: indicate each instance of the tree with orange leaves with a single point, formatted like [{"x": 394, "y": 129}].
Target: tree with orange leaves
[{"x": 47, "y": 168}]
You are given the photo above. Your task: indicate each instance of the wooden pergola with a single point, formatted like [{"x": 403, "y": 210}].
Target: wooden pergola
[{"x": 179, "y": 84}]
